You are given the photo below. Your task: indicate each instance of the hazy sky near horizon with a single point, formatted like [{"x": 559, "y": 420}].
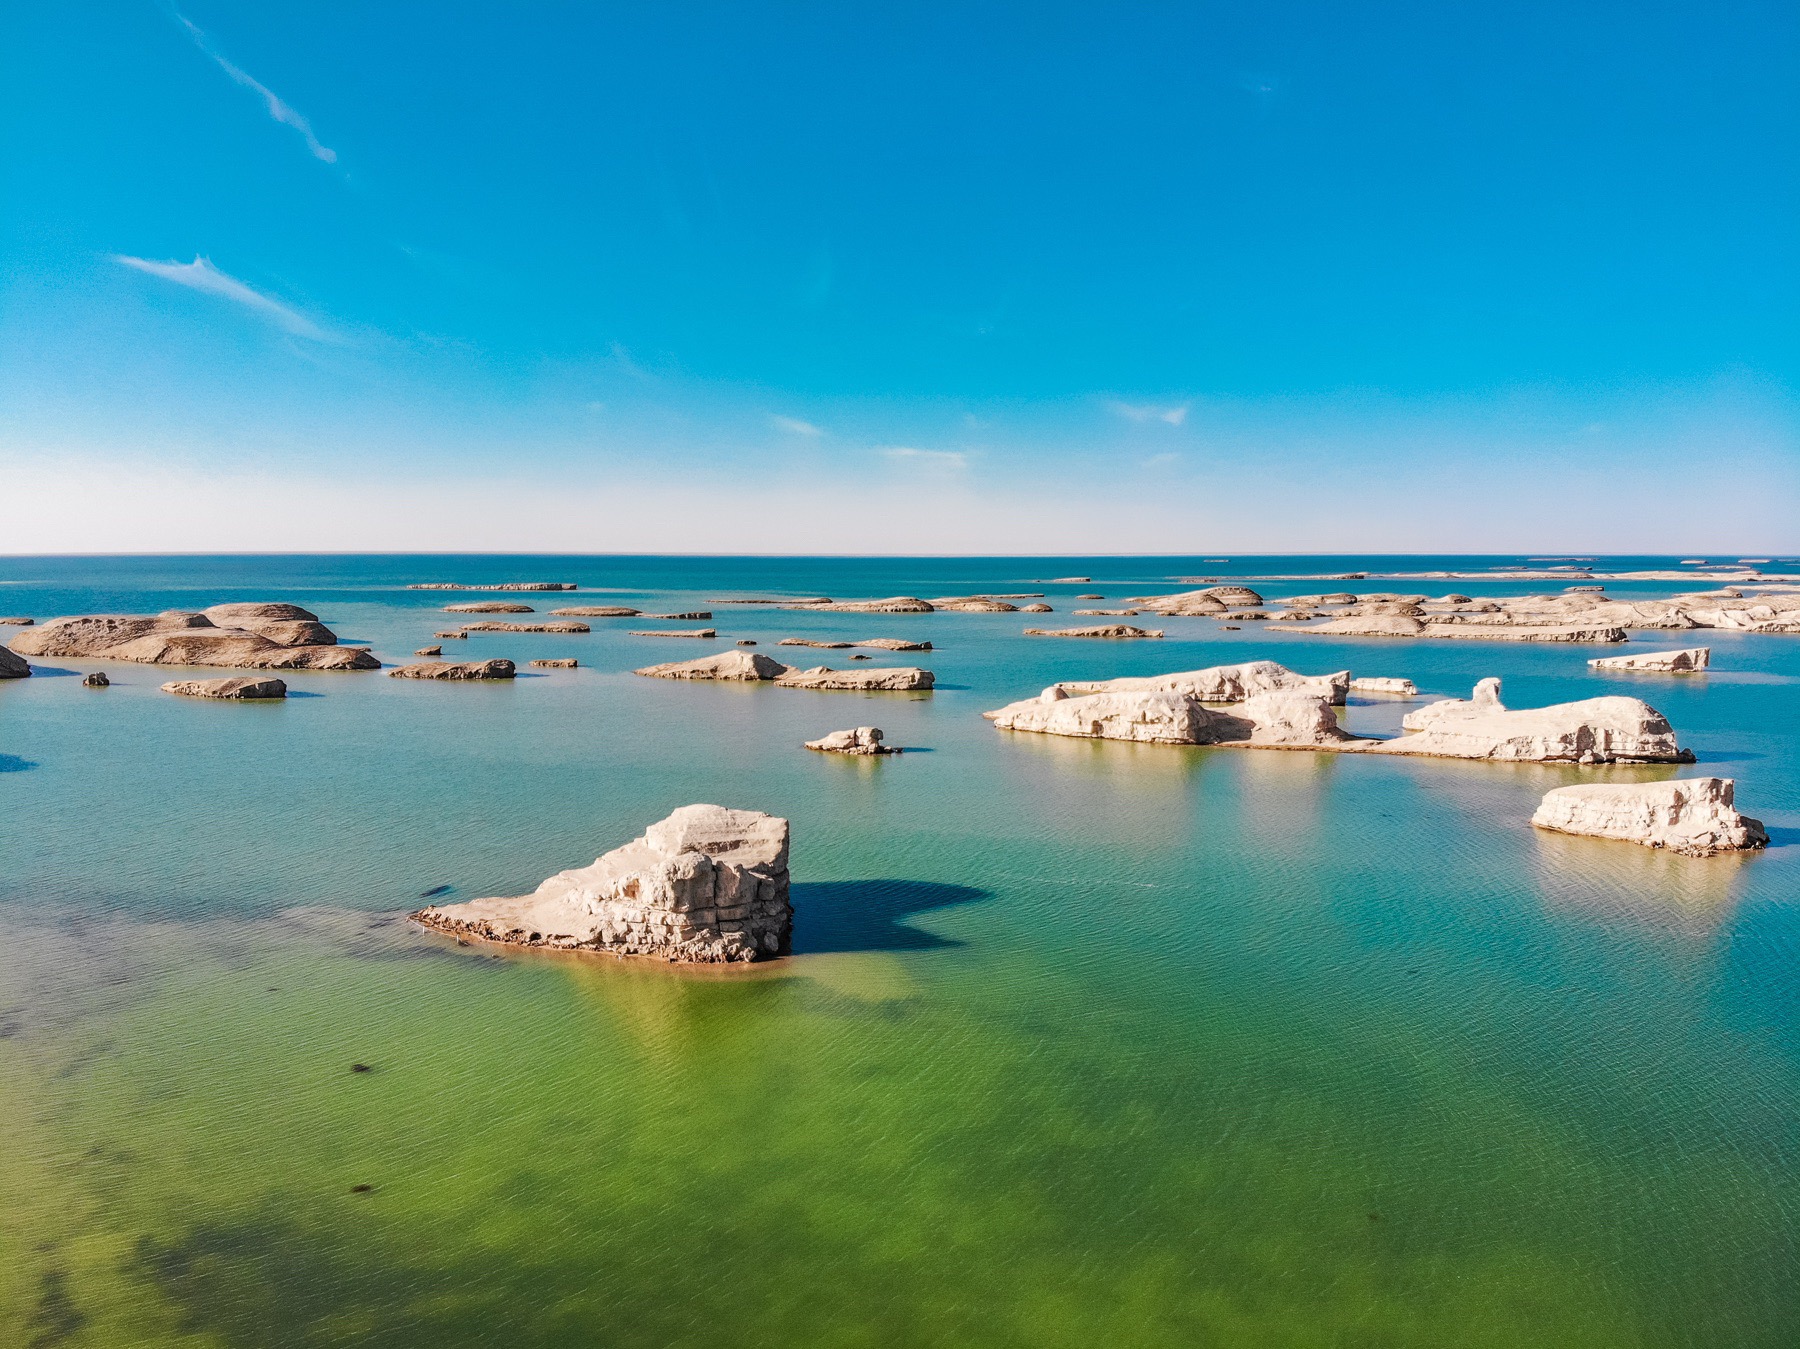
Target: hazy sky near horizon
[{"x": 919, "y": 278}]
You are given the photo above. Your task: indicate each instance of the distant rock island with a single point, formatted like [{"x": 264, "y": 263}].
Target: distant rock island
[
  {"x": 242, "y": 636},
  {"x": 754, "y": 667},
  {"x": 707, "y": 885}
]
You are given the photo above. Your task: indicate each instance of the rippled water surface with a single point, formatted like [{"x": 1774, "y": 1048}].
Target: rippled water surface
[{"x": 1084, "y": 1043}]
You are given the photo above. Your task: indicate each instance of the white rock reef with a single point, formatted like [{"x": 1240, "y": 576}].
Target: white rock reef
[
  {"x": 1689, "y": 661},
  {"x": 708, "y": 885},
  {"x": 1694, "y": 816}
]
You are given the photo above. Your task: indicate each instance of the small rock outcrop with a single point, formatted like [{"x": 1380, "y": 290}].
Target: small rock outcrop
[
  {"x": 874, "y": 679},
  {"x": 13, "y": 667},
  {"x": 1282, "y": 719},
  {"x": 446, "y": 669},
  {"x": 565, "y": 663},
  {"x": 1658, "y": 662},
  {"x": 707, "y": 885},
  {"x": 1109, "y": 630},
  {"x": 16, "y": 621},
  {"x": 429, "y": 651},
  {"x": 1695, "y": 816},
  {"x": 701, "y": 633},
  {"x": 737, "y": 666},
  {"x": 597, "y": 611},
  {"x": 178, "y": 637},
  {"x": 241, "y": 688},
  {"x": 898, "y": 604},
  {"x": 862, "y": 740},
  {"x": 97, "y": 680},
  {"x": 1036, "y": 609},
  {"x": 1399, "y": 688},
  {"x": 489, "y": 607},
  {"x": 1222, "y": 683},
  {"x": 527, "y": 627},
  {"x": 1593, "y": 730}
]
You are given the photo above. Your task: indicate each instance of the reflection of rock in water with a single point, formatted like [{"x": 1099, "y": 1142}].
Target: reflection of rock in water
[{"x": 1603, "y": 881}]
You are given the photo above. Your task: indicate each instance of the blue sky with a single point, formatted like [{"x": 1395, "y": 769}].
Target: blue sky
[{"x": 954, "y": 277}]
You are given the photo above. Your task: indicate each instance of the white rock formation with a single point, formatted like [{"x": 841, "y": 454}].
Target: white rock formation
[
  {"x": 1222, "y": 683},
  {"x": 1111, "y": 630},
  {"x": 1696, "y": 816},
  {"x": 489, "y": 607},
  {"x": 1594, "y": 730},
  {"x": 181, "y": 638},
  {"x": 455, "y": 670},
  {"x": 875, "y": 678},
  {"x": 1280, "y": 719},
  {"x": 861, "y": 740},
  {"x": 596, "y": 611},
  {"x": 703, "y": 634},
  {"x": 707, "y": 885},
  {"x": 241, "y": 689},
  {"x": 1400, "y": 688},
  {"x": 898, "y": 604},
  {"x": 562, "y": 627},
  {"x": 1659, "y": 662},
  {"x": 736, "y": 666}
]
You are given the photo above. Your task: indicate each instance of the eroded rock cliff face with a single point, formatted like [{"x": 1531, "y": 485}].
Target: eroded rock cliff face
[
  {"x": 1659, "y": 662},
  {"x": 279, "y": 640},
  {"x": 1695, "y": 816},
  {"x": 241, "y": 688},
  {"x": 707, "y": 885}
]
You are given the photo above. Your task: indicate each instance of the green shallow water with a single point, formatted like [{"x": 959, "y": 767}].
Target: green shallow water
[{"x": 1083, "y": 1043}]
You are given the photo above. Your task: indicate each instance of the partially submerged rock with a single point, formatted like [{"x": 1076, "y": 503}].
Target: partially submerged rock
[
  {"x": 1123, "y": 630},
  {"x": 737, "y": 666},
  {"x": 241, "y": 688},
  {"x": 1659, "y": 662},
  {"x": 17, "y": 622},
  {"x": 566, "y": 663},
  {"x": 884, "y": 679},
  {"x": 13, "y": 667},
  {"x": 898, "y": 604},
  {"x": 1695, "y": 816},
  {"x": 694, "y": 616},
  {"x": 707, "y": 885},
  {"x": 504, "y": 585},
  {"x": 527, "y": 627},
  {"x": 1399, "y": 688},
  {"x": 974, "y": 604},
  {"x": 472, "y": 669},
  {"x": 596, "y": 611},
  {"x": 879, "y": 643},
  {"x": 857, "y": 740},
  {"x": 1593, "y": 730},
  {"x": 1281, "y": 719},
  {"x": 458, "y": 634},
  {"x": 1105, "y": 613},
  {"x": 429, "y": 651},
  {"x": 1036, "y": 609},
  {"x": 178, "y": 637},
  {"x": 700, "y": 633},
  {"x": 489, "y": 607},
  {"x": 807, "y": 641},
  {"x": 1222, "y": 683},
  {"x": 97, "y": 680}
]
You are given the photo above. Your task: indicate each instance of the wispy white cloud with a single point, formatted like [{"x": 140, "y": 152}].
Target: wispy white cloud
[
  {"x": 933, "y": 458},
  {"x": 1150, "y": 412},
  {"x": 280, "y": 110},
  {"x": 794, "y": 426},
  {"x": 202, "y": 276}
]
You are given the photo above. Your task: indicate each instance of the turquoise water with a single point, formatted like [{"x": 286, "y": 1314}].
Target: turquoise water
[{"x": 1083, "y": 1043}]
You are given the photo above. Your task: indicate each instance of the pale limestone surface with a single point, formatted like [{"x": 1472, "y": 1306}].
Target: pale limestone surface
[
  {"x": 897, "y": 604},
  {"x": 703, "y": 634},
  {"x": 1282, "y": 719},
  {"x": 456, "y": 670},
  {"x": 1659, "y": 662},
  {"x": 177, "y": 637},
  {"x": 707, "y": 885},
  {"x": 1401, "y": 688},
  {"x": 739, "y": 666},
  {"x": 887, "y": 679},
  {"x": 527, "y": 627},
  {"x": 1483, "y": 701},
  {"x": 860, "y": 740},
  {"x": 1593, "y": 730},
  {"x": 1222, "y": 683},
  {"x": 13, "y": 667},
  {"x": 1122, "y": 630},
  {"x": 1695, "y": 816},
  {"x": 241, "y": 688}
]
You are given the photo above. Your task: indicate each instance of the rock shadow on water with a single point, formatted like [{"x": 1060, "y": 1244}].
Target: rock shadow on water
[
  {"x": 12, "y": 763},
  {"x": 834, "y": 917}
]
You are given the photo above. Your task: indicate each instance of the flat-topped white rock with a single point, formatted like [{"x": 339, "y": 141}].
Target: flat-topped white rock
[
  {"x": 240, "y": 689},
  {"x": 1593, "y": 730},
  {"x": 1659, "y": 662},
  {"x": 489, "y": 607},
  {"x": 178, "y": 637},
  {"x": 896, "y": 604},
  {"x": 1695, "y": 816},
  {"x": 708, "y": 885},
  {"x": 700, "y": 633},
  {"x": 1111, "y": 630},
  {"x": 859, "y": 740},
  {"x": 1399, "y": 688},
  {"x": 875, "y": 678},
  {"x": 562, "y": 627},
  {"x": 1221, "y": 683},
  {"x": 735, "y": 666},
  {"x": 1280, "y": 719},
  {"x": 596, "y": 611},
  {"x": 456, "y": 670}
]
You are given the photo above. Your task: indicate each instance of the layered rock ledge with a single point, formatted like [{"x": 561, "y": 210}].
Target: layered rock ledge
[
  {"x": 752, "y": 667},
  {"x": 708, "y": 885},
  {"x": 1117, "y": 630},
  {"x": 1694, "y": 816},
  {"x": 241, "y": 688},
  {"x": 456, "y": 670},
  {"x": 253, "y": 636},
  {"x": 1659, "y": 662}
]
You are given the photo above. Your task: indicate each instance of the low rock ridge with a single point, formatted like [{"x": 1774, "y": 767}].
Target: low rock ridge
[
  {"x": 1221, "y": 683},
  {"x": 527, "y": 627},
  {"x": 753, "y": 667},
  {"x": 597, "y": 611},
  {"x": 1659, "y": 662},
  {"x": 1694, "y": 816},
  {"x": 456, "y": 670},
  {"x": 1282, "y": 719},
  {"x": 241, "y": 688},
  {"x": 859, "y": 740},
  {"x": 504, "y": 585},
  {"x": 707, "y": 885},
  {"x": 1113, "y": 630},
  {"x": 240, "y": 636},
  {"x": 1590, "y": 731}
]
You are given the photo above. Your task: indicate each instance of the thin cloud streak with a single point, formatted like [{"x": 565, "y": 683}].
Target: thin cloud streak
[
  {"x": 1149, "y": 412},
  {"x": 933, "y": 458},
  {"x": 202, "y": 276},
  {"x": 794, "y": 426},
  {"x": 281, "y": 111}
]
